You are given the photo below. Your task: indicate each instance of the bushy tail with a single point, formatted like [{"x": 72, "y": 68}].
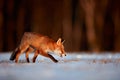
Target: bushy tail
[{"x": 13, "y": 55}]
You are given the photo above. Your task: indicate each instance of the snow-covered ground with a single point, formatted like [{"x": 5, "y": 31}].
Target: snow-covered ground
[{"x": 76, "y": 66}]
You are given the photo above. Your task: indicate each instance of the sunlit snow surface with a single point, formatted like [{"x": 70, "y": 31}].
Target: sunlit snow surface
[{"x": 75, "y": 66}]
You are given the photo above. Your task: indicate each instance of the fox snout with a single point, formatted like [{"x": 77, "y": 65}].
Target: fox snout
[{"x": 62, "y": 55}]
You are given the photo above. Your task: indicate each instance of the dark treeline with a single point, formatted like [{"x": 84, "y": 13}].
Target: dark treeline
[{"x": 86, "y": 25}]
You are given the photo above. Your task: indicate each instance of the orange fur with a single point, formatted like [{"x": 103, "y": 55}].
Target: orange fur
[{"x": 40, "y": 44}]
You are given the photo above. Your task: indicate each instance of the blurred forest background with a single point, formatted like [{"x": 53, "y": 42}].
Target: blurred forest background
[{"x": 86, "y": 25}]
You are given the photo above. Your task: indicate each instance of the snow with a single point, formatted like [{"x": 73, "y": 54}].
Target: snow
[{"x": 76, "y": 66}]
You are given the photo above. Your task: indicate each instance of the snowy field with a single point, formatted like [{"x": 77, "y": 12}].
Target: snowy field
[{"x": 76, "y": 66}]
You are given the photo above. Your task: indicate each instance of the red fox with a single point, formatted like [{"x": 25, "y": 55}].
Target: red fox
[{"x": 40, "y": 44}]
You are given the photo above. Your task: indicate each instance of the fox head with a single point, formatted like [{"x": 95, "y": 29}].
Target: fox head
[{"x": 59, "y": 50}]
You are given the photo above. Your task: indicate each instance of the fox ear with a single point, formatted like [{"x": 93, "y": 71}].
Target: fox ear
[
  {"x": 63, "y": 41},
  {"x": 59, "y": 41}
]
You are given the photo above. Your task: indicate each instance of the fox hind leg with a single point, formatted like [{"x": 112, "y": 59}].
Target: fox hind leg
[
  {"x": 30, "y": 49},
  {"x": 20, "y": 51},
  {"x": 17, "y": 56},
  {"x": 35, "y": 56}
]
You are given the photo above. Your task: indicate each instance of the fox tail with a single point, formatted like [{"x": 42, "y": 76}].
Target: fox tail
[{"x": 13, "y": 55}]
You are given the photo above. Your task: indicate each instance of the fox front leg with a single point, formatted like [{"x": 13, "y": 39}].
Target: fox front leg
[
  {"x": 52, "y": 58},
  {"x": 48, "y": 56}
]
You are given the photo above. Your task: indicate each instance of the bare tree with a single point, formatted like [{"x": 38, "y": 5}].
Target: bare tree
[
  {"x": 1, "y": 24},
  {"x": 67, "y": 24},
  {"x": 89, "y": 9}
]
